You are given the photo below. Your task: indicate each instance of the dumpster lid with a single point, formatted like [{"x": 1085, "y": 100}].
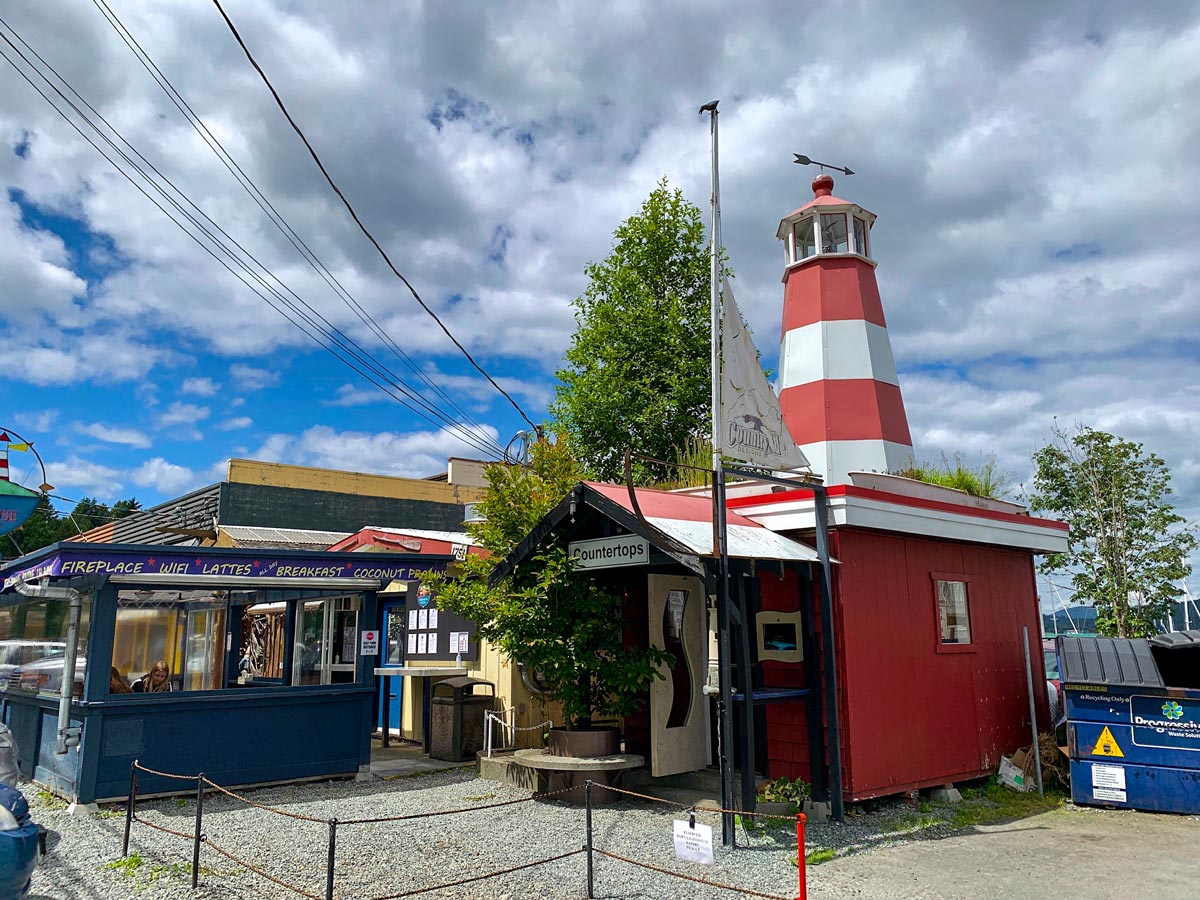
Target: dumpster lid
[
  {"x": 1176, "y": 640},
  {"x": 1100, "y": 660}
]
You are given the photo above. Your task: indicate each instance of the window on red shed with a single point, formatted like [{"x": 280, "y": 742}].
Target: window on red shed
[{"x": 954, "y": 618}]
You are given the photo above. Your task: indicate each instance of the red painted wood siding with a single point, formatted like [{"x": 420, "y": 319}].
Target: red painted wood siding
[
  {"x": 911, "y": 716},
  {"x": 787, "y": 726}
]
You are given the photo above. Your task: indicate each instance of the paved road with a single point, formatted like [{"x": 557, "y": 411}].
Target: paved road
[{"x": 1068, "y": 854}]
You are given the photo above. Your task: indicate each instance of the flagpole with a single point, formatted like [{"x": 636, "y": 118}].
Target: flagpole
[{"x": 720, "y": 531}]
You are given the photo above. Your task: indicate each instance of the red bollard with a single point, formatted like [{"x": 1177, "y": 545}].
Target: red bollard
[{"x": 801, "y": 872}]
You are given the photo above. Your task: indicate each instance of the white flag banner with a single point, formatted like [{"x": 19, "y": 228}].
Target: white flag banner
[{"x": 752, "y": 427}]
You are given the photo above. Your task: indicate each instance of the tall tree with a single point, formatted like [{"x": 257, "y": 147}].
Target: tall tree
[
  {"x": 1128, "y": 547},
  {"x": 637, "y": 371}
]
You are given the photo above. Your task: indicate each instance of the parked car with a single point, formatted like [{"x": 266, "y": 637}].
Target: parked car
[
  {"x": 45, "y": 676},
  {"x": 22, "y": 842},
  {"x": 17, "y": 653}
]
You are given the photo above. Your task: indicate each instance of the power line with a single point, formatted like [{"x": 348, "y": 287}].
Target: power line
[
  {"x": 480, "y": 441},
  {"x": 247, "y": 184},
  {"x": 354, "y": 215}
]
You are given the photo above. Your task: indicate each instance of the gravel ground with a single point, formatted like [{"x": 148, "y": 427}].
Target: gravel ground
[{"x": 381, "y": 860}]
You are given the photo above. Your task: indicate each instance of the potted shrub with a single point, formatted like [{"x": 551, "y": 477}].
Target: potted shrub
[{"x": 563, "y": 628}]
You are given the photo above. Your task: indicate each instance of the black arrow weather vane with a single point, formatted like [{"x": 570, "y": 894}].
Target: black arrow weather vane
[{"x": 802, "y": 160}]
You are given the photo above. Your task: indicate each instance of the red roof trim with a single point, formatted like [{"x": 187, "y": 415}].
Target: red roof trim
[{"x": 849, "y": 490}]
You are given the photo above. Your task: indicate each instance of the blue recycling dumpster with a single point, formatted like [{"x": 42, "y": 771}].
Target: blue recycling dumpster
[{"x": 1133, "y": 720}]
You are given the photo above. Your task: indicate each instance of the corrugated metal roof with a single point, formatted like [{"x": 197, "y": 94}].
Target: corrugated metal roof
[
  {"x": 195, "y": 510},
  {"x": 668, "y": 505},
  {"x": 452, "y": 537},
  {"x": 745, "y": 542},
  {"x": 1114, "y": 661},
  {"x": 282, "y": 538}
]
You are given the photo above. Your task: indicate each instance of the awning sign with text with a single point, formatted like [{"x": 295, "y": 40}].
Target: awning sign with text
[
  {"x": 610, "y": 552},
  {"x": 141, "y": 565}
]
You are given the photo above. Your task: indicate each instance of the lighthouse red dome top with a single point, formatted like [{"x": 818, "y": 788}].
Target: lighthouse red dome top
[{"x": 822, "y": 188}]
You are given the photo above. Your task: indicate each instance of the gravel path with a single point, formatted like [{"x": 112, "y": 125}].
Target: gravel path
[{"x": 387, "y": 859}]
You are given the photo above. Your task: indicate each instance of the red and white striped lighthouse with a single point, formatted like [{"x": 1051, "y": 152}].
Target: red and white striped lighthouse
[{"x": 837, "y": 381}]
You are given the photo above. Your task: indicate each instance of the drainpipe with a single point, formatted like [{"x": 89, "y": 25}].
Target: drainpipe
[{"x": 66, "y": 738}]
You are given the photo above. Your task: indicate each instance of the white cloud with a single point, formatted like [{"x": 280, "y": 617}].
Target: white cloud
[
  {"x": 413, "y": 455},
  {"x": 179, "y": 413},
  {"x": 38, "y": 423},
  {"x": 236, "y": 423},
  {"x": 165, "y": 477},
  {"x": 114, "y": 434},
  {"x": 77, "y": 477},
  {"x": 201, "y": 387},
  {"x": 250, "y": 378}
]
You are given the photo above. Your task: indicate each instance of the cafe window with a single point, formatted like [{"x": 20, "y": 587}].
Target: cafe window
[
  {"x": 185, "y": 630},
  {"x": 954, "y": 611},
  {"x": 326, "y": 641},
  {"x": 33, "y": 646}
]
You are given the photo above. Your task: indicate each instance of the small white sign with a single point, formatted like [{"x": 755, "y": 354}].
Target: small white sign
[
  {"x": 433, "y": 617},
  {"x": 422, "y": 619},
  {"x": 412, "y": 644},
  {"x": 370, "y": 643},
  {"x": 694, "y": 844},
  {"x": 610, "y": 552},
  {"x": 1112, "y": 795},
  {"x": 412, "y": 620},
  {"x": 1108, "y": 777},
  {"x": 462, "y": 641},
  {"x": 422, "y": 643}
]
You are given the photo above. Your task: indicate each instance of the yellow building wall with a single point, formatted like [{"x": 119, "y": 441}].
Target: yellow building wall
[
  {"x": 247, "y": 471},
  {"x": 497, "y": 668}
]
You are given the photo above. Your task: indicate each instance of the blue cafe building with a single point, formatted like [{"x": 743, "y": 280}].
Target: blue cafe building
[{"x": 269, "y": 657}]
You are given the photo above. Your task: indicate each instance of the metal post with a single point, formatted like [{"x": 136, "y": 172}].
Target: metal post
[
  {"x": 829, "y": 652},
  {"x": 199, "y": 825},
  {"x": 724, "y": 669},
  {"x": 487, "y": 732},
  {"x": 801, "y": 871},
  {"x": 129, "y": 806},
  {"x": 387, "y": 710},
  {"x": 587, "y": 795},
  {"x": 329, "y": 864},
  {"x": 1037, "y": 750}
]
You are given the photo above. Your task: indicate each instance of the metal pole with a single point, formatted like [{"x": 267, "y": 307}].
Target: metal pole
[
  {"x": 199, "y": 825},
  {"x": 1037, "y": 750},
  {"x": 387, "y": 710},
  {"x": 129, "y": 806},
  {"x": 802, "y": 872},
  {"x": 587, "y": 795},
  {"x": 829, "y": 651},
  {"x": 333, "y": 823}
]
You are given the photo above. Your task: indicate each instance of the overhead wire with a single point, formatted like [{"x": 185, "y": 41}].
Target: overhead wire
[
  {"x": 359, "y": 361},
  {"x": 354, "y": 215},
  {"x": 180, "y": 102}
]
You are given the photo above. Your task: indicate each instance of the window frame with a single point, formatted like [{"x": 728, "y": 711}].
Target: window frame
[
  {"x": 810, "y": 220},
  {"x": 939, "y": 645}
]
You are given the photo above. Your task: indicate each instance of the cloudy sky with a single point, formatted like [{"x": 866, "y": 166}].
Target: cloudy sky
[{"x": 1033, "y": 166}]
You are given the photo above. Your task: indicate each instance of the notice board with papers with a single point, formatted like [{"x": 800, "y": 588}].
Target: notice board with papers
[{"x": 431, "y": 633}]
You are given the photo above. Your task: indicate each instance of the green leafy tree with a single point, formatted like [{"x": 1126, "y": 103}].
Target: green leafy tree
[
  {"x": 1128, "y": 547},
  {"x": 560, "y": 624},
  {"x": 637, "y": 371},
  {"x": 123, "y": 508}
]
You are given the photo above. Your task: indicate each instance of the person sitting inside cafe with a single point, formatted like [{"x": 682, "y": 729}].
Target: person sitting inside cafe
[
  {"x": 116, "y": 683},
  {"x": 158, "y": 679}
]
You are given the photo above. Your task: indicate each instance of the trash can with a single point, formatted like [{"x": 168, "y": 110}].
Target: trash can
[
  {"x": 456, "y": 717},
  {"x": 1133, "y": 720}
]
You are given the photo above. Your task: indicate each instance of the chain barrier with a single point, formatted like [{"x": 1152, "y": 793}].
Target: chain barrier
[
  {"x": 157, "y": 827},
  {"x": 697, "y": 809},
  {"x": 274, "y": 809},
  {"x": 474, "y": 878},
  {"x": 200, "y": 838},
  {"x": 257, "y": 871},
  {"x": 716, "y": 884},
  {"x": 137, "y": 765},
  {"x": 450, "y": 812}
]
